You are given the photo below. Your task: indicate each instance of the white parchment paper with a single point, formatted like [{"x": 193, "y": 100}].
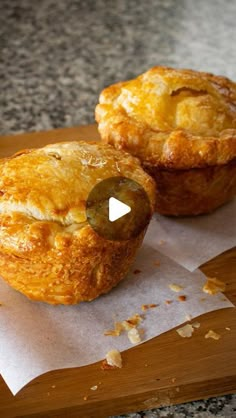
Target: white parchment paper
[
  {"x": 191, "y": 241},
  {"x": 36, "y": 337}
]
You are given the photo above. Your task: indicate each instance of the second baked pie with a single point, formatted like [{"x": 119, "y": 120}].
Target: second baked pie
[{"x": 182, "y": 126}]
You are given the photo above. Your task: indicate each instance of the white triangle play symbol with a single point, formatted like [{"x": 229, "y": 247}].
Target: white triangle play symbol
[{"x": 117, "y": 209}]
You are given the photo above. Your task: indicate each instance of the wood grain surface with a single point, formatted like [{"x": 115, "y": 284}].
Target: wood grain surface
[{"x": 165, "y": 370}]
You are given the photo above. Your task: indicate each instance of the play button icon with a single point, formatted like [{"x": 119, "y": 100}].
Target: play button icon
[{"x": 118, "y": 208}]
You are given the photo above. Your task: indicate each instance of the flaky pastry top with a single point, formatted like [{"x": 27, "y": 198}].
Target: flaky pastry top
[
  {"x": 171, "y": 117},
  {"x": 43, "y": 191}
]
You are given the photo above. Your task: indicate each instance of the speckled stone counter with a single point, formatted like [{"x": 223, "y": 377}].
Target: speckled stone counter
[{"x": 57, "y": 55}]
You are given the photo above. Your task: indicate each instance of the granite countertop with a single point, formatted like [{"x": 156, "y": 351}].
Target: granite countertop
[{"x": 56, "y": 56}]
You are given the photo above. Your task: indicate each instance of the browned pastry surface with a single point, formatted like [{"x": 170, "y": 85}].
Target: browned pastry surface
[
  {"x": 171, "y": 118},
  {"x": 47, "y": 249},
  {"x": 193, "y": 191},
  {"x": 182, "y": 126}
]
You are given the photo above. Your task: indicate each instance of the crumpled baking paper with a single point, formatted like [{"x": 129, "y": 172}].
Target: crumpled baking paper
[
  {"x": 191, "y": 241},
  {"x": 36, "y": 337}
]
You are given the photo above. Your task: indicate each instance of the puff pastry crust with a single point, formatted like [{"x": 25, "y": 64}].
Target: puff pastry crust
[
  {"x": 171, "y": 118},
  {"x": 48, "y": 251},
  {"x": 175, "y": 120}
]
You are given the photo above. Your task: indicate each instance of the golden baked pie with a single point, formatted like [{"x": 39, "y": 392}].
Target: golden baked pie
[
  {"x": 48, "y": 251},
  {"x": 182, "y": 126}
]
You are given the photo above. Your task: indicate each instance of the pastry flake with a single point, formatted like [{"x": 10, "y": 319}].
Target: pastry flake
[
  {"x": 213, "y": 286},
  {"x": 113, "y": 358},
  {"x": 212, "y": 334}
]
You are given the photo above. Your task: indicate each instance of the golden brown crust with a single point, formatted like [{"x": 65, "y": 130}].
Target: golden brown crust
[
  {"x": 47, "y": 249},
  {"x": 171, "y": 118},
  {"x": 194, "y": 191},
  {"x": 52, "y": 183},
  {"x": 79, "y": 268}
]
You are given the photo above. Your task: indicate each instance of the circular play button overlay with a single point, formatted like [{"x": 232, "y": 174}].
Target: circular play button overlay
[{"x": 118, "y": 209}]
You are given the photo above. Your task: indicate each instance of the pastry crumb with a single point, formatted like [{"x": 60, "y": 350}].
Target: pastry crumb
[
  {"x": 125, "y": 325},
  {"x": 85, "y": 398},
  {"x": 114, "y": 332},
  {"x": 111, "y": 333},
  {"x": 182, "y": 298},
  {"x": 228, "y": 328},
  {"x": 188, "y": 317},
  {"x": 106, "y": 366},
  {"x": 168, "y": 302},
  {"x": 196, "y": 324},
  {"x": 148, "y": 306},
  {"x": 173, "y": 379},
  {"x": 186, "y": 331},
  {"x": 113, "y": 358},
  {"x": 137, "y": 271},
  {"x": 53, "y": 386},
  {"x": 213, "y": 286},
  {"x": 175, "y": 287},
  {"x": 132, "y": 322},
  {"x": 212, "y": 334},
  {"x": 94, "y": 387},
  {"x": 134, "y": 336},
  {"x": 141, "y": 331}
]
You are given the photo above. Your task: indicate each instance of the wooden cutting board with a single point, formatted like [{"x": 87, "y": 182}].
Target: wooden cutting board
[{"x": 166, "y": 370}]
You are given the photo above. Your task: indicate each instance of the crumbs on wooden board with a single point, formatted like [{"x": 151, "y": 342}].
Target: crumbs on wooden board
[
  {"x": 196, "y": 324},
  {"x": 106, "y": 366},
  {"x": 113, "y": 358},
  {"x": 187, "y": 330},
  {"x": 212, "y": 334},
  {"x": 213, "y": 286}
]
